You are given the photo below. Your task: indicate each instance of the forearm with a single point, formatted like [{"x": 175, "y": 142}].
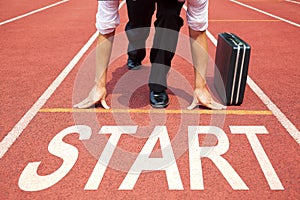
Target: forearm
[
  {"x": 199, "y": 48},
  {"x": 103, "y": 53}
]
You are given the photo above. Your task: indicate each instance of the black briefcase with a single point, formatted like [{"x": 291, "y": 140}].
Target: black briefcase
[{"x": 231, "y": 69}]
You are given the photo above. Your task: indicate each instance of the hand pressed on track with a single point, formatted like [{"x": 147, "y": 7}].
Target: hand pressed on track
[
  {"x": 97, "y": 94},
  {"x": 202, "y": 97}
]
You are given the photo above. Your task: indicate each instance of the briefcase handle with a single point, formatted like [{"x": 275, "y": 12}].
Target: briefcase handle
[{"x": 235, "y": 39}]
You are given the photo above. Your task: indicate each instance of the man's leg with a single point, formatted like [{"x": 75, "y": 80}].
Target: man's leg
[
  {"x": 137, "y": 29},
  {"x": 167, "y": 24}
]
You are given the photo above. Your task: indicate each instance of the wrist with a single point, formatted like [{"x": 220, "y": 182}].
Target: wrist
[{"x": 200, "y": 84}]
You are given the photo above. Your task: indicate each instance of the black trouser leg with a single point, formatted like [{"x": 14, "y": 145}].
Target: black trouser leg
[
  {"x": 167, "y": 26},
  {"x": 138, "y": 27}
]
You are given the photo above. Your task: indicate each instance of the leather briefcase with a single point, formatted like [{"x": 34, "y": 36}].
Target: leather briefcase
[{"x": 231, "y": 68}]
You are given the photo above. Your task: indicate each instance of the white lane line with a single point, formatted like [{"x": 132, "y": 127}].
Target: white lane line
[
  {"x": 11, "y": 137},
  {"x": 32, "y": 12},
  {"x": 284, "y": 121},
  {"x": 121, "y": 4},
  {"x": 25, "y": 120},
  {"x": 293, "y": 1},
  {"x": 212, "y": 38},
  {"x": 266, "y": 13}
]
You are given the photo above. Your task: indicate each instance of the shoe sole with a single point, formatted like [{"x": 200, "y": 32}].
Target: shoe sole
[
  {"x": 134, "y": 68},
  {"x": 159, "y": 106}
]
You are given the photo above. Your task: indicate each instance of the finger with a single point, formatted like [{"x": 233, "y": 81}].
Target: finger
[
  {"x": 85, "y": 101},
  {"x": 193, "y": 104},
  {"x": 87, "y": 105},
  {"x": 104, "y": 104},
  {"x": 217, "y": 106},
  {"x": 214, "y": 106}
]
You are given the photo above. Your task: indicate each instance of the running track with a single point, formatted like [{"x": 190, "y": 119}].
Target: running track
[{"x": 38, "y": 86}]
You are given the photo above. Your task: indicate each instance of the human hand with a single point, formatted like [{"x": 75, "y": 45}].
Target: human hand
[
  {"x": 203, "y": 97},
  {"x": 96, "y": 94}
]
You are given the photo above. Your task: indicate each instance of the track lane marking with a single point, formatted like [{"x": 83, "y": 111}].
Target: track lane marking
[
  {"x": 11, "y": 137},
  {"x": 266, "y": 13},
  {"x": 244, "y": 20},
  {"x": 100, "y": 110},
  {"x": 32, "y": 12},
  {"x": 284, "y": 121},
  {"x": 296, "y": 2}
]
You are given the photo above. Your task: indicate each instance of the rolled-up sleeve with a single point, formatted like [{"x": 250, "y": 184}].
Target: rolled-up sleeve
[
  {"x": 197, "y": 14},
  {"x": 107, "y": 17}
]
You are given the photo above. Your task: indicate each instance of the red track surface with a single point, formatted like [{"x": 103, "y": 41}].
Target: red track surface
[{"x": 35, "y": 49}]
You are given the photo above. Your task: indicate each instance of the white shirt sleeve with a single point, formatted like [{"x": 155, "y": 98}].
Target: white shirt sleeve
[
  {"x": 107, "y": 17},
  {"x": 197, "y": 14}
]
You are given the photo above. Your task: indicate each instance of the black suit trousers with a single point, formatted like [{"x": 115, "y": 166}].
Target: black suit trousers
[{"x": 167, "y": 25}]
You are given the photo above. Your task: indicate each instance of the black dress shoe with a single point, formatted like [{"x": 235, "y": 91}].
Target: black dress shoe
[
  {"x": 159, "y": 99},
  {"x": 133, "y": 65}
]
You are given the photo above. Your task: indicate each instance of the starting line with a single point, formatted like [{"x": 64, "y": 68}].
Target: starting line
[{"x": 209, "y": 112}]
